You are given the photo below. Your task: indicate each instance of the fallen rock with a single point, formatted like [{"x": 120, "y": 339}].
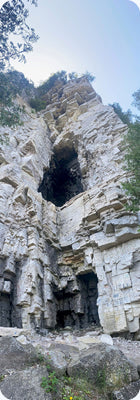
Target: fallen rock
[
  {"x": 58, "y": 362},
  {"x": 22, "y": 339},
  {"x": 15, "y": 356},
  {"x": 104, "y": 338}
]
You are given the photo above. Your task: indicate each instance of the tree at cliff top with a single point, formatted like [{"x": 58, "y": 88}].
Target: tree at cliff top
[
  {"x": 16, "y": 37},
  {"x": 126, "y": 117}
]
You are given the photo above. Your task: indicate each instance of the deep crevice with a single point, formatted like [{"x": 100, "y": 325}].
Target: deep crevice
[
  {"x": 62, "y": 180},
  {"x": 5, "y": 310}
]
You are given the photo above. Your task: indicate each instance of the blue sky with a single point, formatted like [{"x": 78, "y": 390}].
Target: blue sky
[{"x": 99, "y": 36}]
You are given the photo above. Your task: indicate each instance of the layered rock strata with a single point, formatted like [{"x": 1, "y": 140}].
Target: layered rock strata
[{"x": 69, "y": 251}]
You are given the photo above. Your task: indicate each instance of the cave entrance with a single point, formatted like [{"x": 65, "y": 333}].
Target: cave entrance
[
  {"x": 62, "y": 180},
  {"x": 78, "y": 310}
]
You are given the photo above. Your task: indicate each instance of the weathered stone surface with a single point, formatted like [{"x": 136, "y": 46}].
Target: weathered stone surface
[
  {"x": 128, "y": 392},
  {"x": 15, "y": 356},
  {"x": 106, "y": 361},
  {"x": 47, "y": 253},
  {"x": 25, "y": 385}
]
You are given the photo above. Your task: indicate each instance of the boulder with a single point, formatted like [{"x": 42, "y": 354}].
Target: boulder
[
  {"x": 25, "y": 385},
  {"x": 105, "y": 366}
]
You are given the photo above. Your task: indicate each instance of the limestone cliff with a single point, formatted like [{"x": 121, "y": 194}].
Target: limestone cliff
[{"x": 69, "y": 251}]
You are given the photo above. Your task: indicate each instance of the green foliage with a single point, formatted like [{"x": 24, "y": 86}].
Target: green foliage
[
  {"x": 101, "y": 380},
  {"x": 40, "y": 358},
  {"x": 136, "y": 96},
  {"x": 67, "y": 388},
  {"x": 11, "y": 84},
  {"x": 10, "y": 116},
  {"x": 60, "y": 76},
  {"x": 19, "y": 84},
  {"x": 72, "y": 76},
  {"x": 90, "y": 77},
  {"x": 126, "y": 117},
  {"x": 13, "y": 22},
  {"x": 14, "y": 82},
  {"x": 1, "y": 378},
  {"x": 37, "y": 104},
  {"x": 50, "y": 383},
  {"x": 132, "y": 157},
  {"x": 5, "y": 92},
  {"x": 76, "y": 389},
  {"x": 132, "y": 186}
]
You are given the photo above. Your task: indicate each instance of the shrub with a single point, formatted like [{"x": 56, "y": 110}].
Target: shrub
[{"x": 37, "y": 104}]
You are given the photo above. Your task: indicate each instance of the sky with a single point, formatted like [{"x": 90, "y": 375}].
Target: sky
[{"x": 99, "y": 36}]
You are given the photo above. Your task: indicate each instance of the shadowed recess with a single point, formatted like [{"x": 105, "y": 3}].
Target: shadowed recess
[
  {"x": 78, "y": 309},
  {"x": 62, "y": 180}
]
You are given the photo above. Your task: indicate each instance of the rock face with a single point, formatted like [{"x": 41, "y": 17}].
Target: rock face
[{"x": 69, "y": 251}]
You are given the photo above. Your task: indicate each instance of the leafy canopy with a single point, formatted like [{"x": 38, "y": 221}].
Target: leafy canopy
[
  {"x": 126, "y": 117},
  {"x": 16, "y": 37}
]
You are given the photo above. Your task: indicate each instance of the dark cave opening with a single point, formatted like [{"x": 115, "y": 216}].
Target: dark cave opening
[
  {"x": 62, "y": 180},
  {"x": 64, "y": 318},
  {"x": 89, "y": 292},
  {"x": 78, "y": 310}
]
